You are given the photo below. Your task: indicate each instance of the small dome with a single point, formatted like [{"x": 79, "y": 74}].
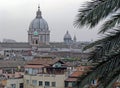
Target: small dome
[
  {"x": 67, "y": 36},
  {"x": 38, "y": 23}
]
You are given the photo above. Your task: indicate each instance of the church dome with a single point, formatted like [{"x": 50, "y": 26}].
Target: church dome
[
  {"x": 38, "y": 23},
  {"x": 67, "y": 36}
]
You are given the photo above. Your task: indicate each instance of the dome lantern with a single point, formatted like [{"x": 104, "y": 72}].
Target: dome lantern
[{"x": 38, "y": 13}]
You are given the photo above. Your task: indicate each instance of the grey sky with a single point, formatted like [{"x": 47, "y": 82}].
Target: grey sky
[{"x": 16, "y": 15}]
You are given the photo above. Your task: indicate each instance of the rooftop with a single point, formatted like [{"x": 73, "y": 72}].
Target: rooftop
[
  {"x": 10, "y": 63},
  {"x": 44, "y": 61}
]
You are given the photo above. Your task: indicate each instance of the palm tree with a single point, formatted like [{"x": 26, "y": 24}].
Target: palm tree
[{"x": 106, "y": 50}]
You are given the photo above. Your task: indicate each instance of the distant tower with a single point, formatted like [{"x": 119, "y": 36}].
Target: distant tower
[
  {"x": 74, "y": 39},
  {"x": 67, "y": 38},
  {"x": 38, "y": 30}
]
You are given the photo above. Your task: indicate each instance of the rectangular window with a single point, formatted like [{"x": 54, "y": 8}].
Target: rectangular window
[
  {"x": 34, "y": 82},
  {"x": 30, "y": 71},
  {"x": 21, "y": 85},
  {"x": 94, "y": 82},
  {"x": 47, "y": 83},
  {"x": 70, "y": 84},
  {"x": 27, "y": 82},
  {"x": 35, "y": 71},
  {"x": 53, "y": 84},
  {"x": 40, "y": 83},
  {"x": 13, "y": 85}
]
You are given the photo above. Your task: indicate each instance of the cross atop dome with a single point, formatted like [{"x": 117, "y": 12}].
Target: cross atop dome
[{"x": 38, "y": 6}]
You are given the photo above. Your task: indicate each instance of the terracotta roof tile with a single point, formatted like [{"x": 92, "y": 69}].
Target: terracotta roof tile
[
  {"x": 71, "y": 79},
  {"x": 33, "y": 66},
  {"x": 9, "y": 63},
  {"x": 43, "y": 61},
  {"x": 77, "y": 74}
]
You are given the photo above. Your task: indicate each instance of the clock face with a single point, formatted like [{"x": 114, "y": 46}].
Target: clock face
[{"x": 35, "y": 33}]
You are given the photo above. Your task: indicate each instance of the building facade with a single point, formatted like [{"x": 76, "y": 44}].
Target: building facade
[{"x": 45, "y": 73}]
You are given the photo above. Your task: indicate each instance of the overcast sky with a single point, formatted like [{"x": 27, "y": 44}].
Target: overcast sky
[{"x": 16, "y": 15}]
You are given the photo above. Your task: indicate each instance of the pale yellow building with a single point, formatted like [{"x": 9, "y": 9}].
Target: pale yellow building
[
  {"x": 14, "y": 83},
  {"x": 44, "y": 81},
  {"x": 45, "y": 73}
]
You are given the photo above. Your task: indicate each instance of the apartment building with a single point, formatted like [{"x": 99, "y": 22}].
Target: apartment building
[{"x": 45, "y": 72}]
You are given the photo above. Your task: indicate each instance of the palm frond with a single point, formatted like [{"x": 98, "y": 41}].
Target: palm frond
[
  {"x": 107, "y": 39},
  {"x": 95, "y": 10},
  {"x": 107, "y": 50},
  {"x": 102, "y": 71},
  {"x": 111, "y": 72},
  {"x": 107, "y": 66},
  {"x": 110, "y": 84},
  {"x": 111, "y": 78},
  {"x": 115, "y": 19}
]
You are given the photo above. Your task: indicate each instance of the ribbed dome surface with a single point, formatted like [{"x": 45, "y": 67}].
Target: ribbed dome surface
[{"x": 39, "y": 23}]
